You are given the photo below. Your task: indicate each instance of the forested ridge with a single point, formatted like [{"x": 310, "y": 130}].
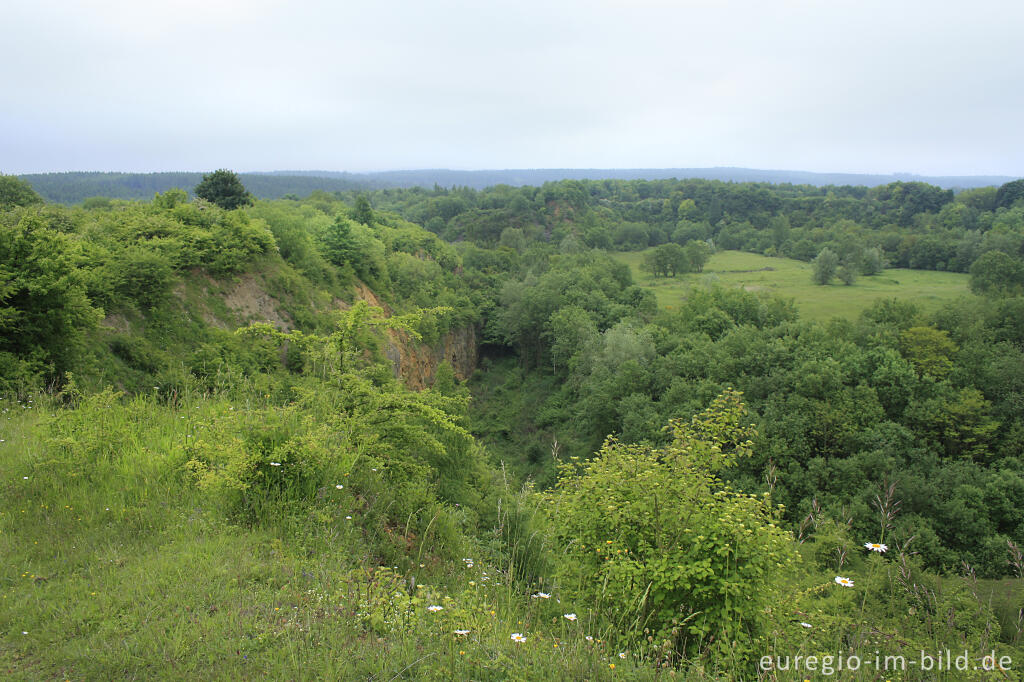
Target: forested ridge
[
  {"x": 77, "y": 186},
  {"x": 694, "y": 485}
]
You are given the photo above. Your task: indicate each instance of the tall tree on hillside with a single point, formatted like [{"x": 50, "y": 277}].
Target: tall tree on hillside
[
  {"x": 223, "y": 188},
  {"x": 362, "y": 213}
]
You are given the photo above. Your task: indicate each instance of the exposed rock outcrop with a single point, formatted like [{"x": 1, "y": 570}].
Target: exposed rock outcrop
[{"x": 416, "y": 363}]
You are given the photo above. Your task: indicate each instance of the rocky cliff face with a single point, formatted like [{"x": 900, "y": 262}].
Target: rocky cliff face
[{"x": 417, "y": 363}]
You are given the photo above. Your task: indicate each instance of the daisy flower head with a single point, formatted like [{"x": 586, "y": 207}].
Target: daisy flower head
[
  {"x": 542, "y": 595},
  {"x": 805, "y": 625},
  {"x": 518, "y": 637},
  {"x": 845, "y": 582},
  {"x": 589, "y": 638},
  {"x": 876, "y": 547},
  {"x": 435, "y": 608},
  {"x": 622, "y": 654},
  {"x": 570, "y": 616},
  {"x": 275, "y": 464},
  {"x": 462, "y": 633},
  {"x": 339, "y": 486}
]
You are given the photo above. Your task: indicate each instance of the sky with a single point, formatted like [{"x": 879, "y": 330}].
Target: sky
[{"x": 875, "y": 86}]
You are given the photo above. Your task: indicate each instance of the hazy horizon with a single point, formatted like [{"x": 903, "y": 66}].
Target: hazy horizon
[{"x": 919, "y": 88}]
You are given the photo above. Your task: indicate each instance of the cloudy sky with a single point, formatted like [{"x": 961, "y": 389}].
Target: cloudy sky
[{"x": 920, "y": 86}]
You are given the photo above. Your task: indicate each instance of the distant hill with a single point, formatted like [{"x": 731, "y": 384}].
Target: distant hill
[
  {"x": 479, "y": 179},
  {"x": 72, "y": 188}
]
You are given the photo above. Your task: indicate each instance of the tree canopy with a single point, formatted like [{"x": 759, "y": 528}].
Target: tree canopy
[
  {"x": 223, "y": 188},
  {"x": 16, "y": 192}
]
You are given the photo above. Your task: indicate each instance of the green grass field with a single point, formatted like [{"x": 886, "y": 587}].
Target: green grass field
[{"x": 789, "y": 278}]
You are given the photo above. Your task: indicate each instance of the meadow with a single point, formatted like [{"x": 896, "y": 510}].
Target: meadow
[
  {"x": 122, "y": 569},
  {"x": 928, "y": 289}
]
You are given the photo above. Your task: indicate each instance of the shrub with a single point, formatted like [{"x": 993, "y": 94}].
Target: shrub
[{"x": 655, "y": 541}]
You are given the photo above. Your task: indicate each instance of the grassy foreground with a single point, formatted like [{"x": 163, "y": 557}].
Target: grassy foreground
[
  {"x": 788, "y": 278},
  {"x": 125, "y": 570}
]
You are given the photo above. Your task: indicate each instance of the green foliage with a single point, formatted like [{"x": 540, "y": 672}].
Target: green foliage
[
  {"x": 654, "y": 542},
  {"x": 666, "y": 260},
  {"x": 139, "y": 275},
  {"x": 16, "y": 192},
  {"x": 44, "y": 309},
  {"x": 223, "y": 188},
  {"x": 1009, "y": 194},
  {"x": 825, "y": 266},
  {"x": 361, "y": 212},
  {"x": 996, "y": 274},
  {"x": 872, "y": 262},
  {"x": 169, "y": 199},
  {"x": 929, "y": 350}
]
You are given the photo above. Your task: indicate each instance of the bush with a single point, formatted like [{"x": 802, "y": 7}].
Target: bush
[{"x": 653, "y": 540}]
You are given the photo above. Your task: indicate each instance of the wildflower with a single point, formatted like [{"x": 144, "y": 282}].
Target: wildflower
[
  {"x": 462, "y": 633},
  {"x": 845, "y": 582},
  {"x": 805, "y": 625},
  {"x": 876, "y": 547},
  {"x": 23, "y": 632},
  {"x": 339, "y": 486},
  {"x": 589, "y": 638},
  {"x": 518, "y": 637},
  {"x": 612, "y": 666},
  {"x": 622, "y": 654},
  {"x": 542, "y": 595},
  {"x": 570, "y": 616},
  {"x": 435, "y": 608},
  {"x": 275, "y": 464},
  {"x": 349, "y": 518}
]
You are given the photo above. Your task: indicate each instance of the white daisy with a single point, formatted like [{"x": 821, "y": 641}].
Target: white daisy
[
  {"x": 435, "y": 608},
  {"x": 542, "y": 595},
  {"x": 570, "y": 616},
  {"x": 518, "y": 637},
  {"x": 845, "y": 582},
  {"x": 876, "y": 547},
  {"x": 805, "y": 625}
]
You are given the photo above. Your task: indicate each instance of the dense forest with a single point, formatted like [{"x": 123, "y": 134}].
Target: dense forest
[
  {"x": 76, "y": 187},
  {"x": 386, "y": 425}
]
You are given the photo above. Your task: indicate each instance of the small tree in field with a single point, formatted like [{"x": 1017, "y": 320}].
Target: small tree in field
[
  {"x": 847, "y": 274},
  {"x": 825, "y": 266},
  {"x": 223, "y": 188}
]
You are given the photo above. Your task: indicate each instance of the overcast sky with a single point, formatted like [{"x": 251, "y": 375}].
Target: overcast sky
[{"x": 922, "y": 86}]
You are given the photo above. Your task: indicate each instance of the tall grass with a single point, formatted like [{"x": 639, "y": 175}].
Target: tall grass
[{"x": 116, "y": 565}]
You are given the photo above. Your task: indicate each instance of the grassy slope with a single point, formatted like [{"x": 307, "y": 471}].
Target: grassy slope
[
  {"x": 123, "y": 570},
  {"x": 792, "y": 279}
]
